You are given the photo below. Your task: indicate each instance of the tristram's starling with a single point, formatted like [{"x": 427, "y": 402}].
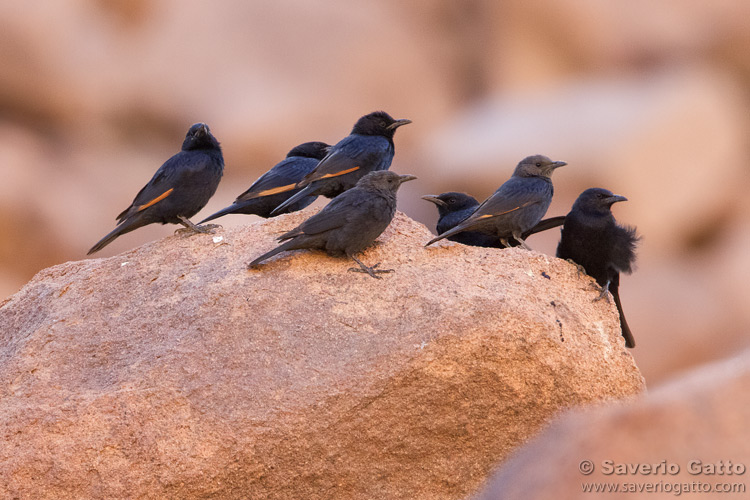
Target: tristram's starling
[
  {"x": 454, "y": 207},
  {"x": 278, "y": 184},
  {"x": 368, "y": 148},
  {"x": 592, "y": 239},
  {"x": 517, "y": 206},
  {"x": 350, "y": 222},
  {"x": 178, "y": 190}
]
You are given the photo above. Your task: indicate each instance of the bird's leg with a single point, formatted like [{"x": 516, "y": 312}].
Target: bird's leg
[
  {"x": 369, "y": 270},
  {"x": 519, "y": 239},
  {"x": 504, "y": 242},
  {"x": 604, "y": 294},
  {"x": 194, "y": 228}
]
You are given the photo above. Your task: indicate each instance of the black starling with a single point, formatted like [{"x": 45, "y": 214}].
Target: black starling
[
  {"x": 350, "y": 222},
  {"x": 368, "y": 148},
  {"x": 178, "y": 190},
  {"x": 454, "y": 207},
  {"x": 517, "y": 206},
  {"x": 278, "y": 184},
  {"x": 592, "y": 239}
]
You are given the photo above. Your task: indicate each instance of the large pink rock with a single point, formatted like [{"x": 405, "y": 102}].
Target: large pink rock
[{"x": 172, "y": 371}]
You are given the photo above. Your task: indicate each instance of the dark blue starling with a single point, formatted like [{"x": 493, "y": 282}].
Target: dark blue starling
[
  {"x": 278, "y": 184},
  {"x": 178, "y": 190},
  {"x": 368, "y": 148},
  {"x": 454, "y": 207},
  {"x": 592, "y": 239},
  {"x": 349, "y": 223},
  {"x": 516, "y": 207}
]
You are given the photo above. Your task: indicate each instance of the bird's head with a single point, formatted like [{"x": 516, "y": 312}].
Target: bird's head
[
  {"x": 384, "y": 180},
  {"x": 315, "y": 150},
  {"x": 537, "y": 166},
  {"x": 378, "y": 123},
  {"x": 199, "y": 137},
  {"x": 451, "y": 202},
  {"x": 597, "y": 201}
]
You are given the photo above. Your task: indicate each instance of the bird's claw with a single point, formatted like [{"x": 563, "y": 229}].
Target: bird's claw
[
  {"x": 208, "y": 228},
  {"x": 603, "y": 294},
  {"x": 204, "y": 229},
  {"x": 371, "y": 270}
]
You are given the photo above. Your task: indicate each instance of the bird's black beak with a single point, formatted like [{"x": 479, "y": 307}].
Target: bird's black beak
[
  {"x": 615, "y": 198},
  {"x": 557, "y": 164},
  {"x": 397, "y": 124},
  {"x": 435, "y": 199},
  {"x": 407, "y": 177}
]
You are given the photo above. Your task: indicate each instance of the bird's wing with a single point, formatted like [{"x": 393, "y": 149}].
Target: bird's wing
[
  {"x": 513, "y": 195},
  {"x": 334, "y": 215},
  {"x": 283, "y": 177},
  {"x": 160, "y": 186},
  {"x": 623, "y": 249},
  {"x": 347, "y": 156}
]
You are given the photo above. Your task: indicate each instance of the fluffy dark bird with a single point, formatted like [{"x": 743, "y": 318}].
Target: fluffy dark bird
[
  {"x": 178, "y": 190},
  {"x": 278, "y": 184},
  {"x": 516, "y": 207},
  {"x": 368, "y": 148},
  {"x": 350, "y": 222},
  {"x": 454, "y": 207},
  {"x": 592, "y": 239}
]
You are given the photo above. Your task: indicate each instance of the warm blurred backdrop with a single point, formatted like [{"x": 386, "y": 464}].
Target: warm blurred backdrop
[{"x": 647, "y": 99}]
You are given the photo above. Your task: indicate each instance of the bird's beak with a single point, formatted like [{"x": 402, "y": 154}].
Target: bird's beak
[
  {"x": 397, "y": 124},
  {"x": 615, "y": 198},
  {"x": 434, "y": 199},
  {"x": 203, "y": 129},
  {"x": 558, "y": 164},
  {"x": 404, "y": 178}
]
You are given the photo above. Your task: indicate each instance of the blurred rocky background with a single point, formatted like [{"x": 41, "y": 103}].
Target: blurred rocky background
[{"x": 648, "y": 99}]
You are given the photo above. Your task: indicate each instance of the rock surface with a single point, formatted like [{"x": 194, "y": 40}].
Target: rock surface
[
  {"x": 695, "y": 423},
  {"x": 171, "y": 371}
]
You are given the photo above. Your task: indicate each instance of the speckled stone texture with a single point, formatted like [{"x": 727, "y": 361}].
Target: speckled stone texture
[{"x": 173, "y": 371}]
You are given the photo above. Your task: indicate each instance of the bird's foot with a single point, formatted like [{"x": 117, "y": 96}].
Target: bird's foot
[
  {"x": 521, "y": 241},
  {"x": 191, "y": 228},
  {"x": 603, "y": 292},
  {"x": 372, "y": 271}
]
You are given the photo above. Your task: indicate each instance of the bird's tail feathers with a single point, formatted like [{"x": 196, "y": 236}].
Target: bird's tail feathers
[
  {"x": 271, "y": 253},
  {"x": 545, "y": 224},
  {"x": 307, "y": 191},
  {"x": 125, "y": 226},
  {"x": 629, "y": 339},
  {"x": 224, "y": 211},
  {"x": 460, "y": 227}
]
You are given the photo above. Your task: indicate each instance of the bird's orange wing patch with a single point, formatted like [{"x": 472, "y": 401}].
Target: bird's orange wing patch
[
  {"x": 155, "y": 200},
  {"x": 339, "y": 173},
  {"x": 276, "y": 190},
  {"x": 503, "y": 213}
]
